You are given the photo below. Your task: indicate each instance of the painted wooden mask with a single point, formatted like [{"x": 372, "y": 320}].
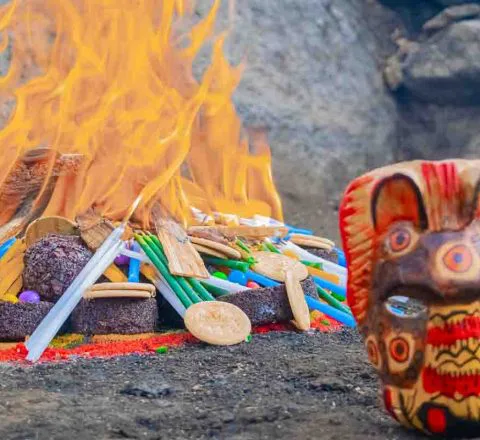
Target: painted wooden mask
[{"x": 411, "y": 234}]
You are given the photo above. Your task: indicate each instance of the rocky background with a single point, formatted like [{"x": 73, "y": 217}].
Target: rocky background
[{"x": 346, "y": 86}]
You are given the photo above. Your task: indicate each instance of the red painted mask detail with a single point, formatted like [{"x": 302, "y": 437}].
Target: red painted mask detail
[
  {"x": 451, "y": 333},
  {"x": 448, "y": 385},
  {"x": 436, "y": 420}
]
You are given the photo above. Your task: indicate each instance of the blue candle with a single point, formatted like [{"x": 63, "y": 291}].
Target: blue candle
[
  {"x": 260, "y": 279},
  {"x": 6, "y": 246},
  {"x": 342, "y": 261},
  {"x": 342, "y": 317},
  {"x": 294, "y": 230},
  {"x": 134, "y": 267}
]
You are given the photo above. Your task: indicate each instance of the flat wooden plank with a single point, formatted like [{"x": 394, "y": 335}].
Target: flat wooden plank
[{"x": 183, "y": 258}]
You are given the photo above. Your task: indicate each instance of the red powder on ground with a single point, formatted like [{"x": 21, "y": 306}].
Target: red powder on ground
[{"x": 121, "y": 348}]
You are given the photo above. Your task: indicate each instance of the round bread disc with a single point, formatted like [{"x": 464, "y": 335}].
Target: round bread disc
[
  {"x": 49, "y": 225},
  {"x": 222, "y": 248},
  {"x": 208, "y": 251},
  {"x": 312, "y": 238},
  {"x": 275, "y": 266},
  {"x": 296, "y": 298},
  {"x": 217, "y": 323}
]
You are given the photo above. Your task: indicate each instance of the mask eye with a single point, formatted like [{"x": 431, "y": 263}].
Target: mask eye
[
  {"x": 399, "y": 350},
  {"x": 373, "y": 353},
  {"x": 458, "y": 259},
  {"x": 399, "y": 240}
]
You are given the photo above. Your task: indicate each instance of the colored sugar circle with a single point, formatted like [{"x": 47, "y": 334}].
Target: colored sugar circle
[
  {"x": 253, "y": 285},
  {"x": 29, "y": 296},
  {"x": 122, "y": 260},
  {"x": 220, "y": 275},
  {"x": 238, "y": 277}
]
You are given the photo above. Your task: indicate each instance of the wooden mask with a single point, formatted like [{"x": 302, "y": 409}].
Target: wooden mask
[{"x": 411, "y": 234}]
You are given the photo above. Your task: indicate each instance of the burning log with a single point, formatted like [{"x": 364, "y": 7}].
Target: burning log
[{"x": 28, "y": 187}]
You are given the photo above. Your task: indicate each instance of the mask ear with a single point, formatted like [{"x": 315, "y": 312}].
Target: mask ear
[{"x": 397, "y": 198}]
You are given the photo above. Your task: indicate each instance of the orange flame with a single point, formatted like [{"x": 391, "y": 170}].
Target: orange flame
[{"x": 112, "y": 80}]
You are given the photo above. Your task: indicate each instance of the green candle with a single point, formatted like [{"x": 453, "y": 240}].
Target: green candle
[
  {"x": 202, "y": 292},
  {"x": 232, "y": 264},
  {"x": 214, "y": 290},
  {"x": 322, "y": 293},
  {"x": 155, "y": 244},
  {"x": 172, "y": 282}
]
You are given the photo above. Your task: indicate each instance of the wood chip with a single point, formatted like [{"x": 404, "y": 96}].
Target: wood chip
[
  {"x": 296, "y": 298},
  {"x": 227, "y": 250},
  {"x": 275, "y": 266},
  {"x": 49, "y": 225},
  {"x": 183, "y": 258},
  {"x": 94, "y": 229},
  {"x": 217, "y": 323}
]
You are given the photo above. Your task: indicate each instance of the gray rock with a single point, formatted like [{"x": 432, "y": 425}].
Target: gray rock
[
  {"x": 151, "y": 391},
  {"x": 445, "y": 68},
  {"x": 451, "y": 15}
]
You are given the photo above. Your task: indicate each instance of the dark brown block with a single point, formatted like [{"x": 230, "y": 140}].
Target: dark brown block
[
  {"x": 268, "y": 304},
  {"x": 115, "y": 315},
  {"x": 21, "y": 319}
]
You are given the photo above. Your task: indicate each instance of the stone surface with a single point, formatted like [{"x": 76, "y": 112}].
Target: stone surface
[{"x": 445, "y": 68}]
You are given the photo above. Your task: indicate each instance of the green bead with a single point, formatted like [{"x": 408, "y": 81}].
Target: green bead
[
  {"x": 220, "y": 275},
  {"x": 248, "y": 339},
  {"x": 325, "y": 322},
  {"x": 162, "y": 349}
]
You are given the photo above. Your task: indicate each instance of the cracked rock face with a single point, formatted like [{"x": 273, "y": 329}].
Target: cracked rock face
[
  {"x": 445, "y": 69},
  {"x": 443, "y": 65}
]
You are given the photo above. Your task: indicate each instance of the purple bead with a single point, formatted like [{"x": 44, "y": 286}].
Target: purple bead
[
  {"x": 122, "y": 260},
  {"x": 29, "y": 296}
]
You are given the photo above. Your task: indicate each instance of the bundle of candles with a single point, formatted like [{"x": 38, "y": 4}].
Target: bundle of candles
[{"x": 253, "y": 271}]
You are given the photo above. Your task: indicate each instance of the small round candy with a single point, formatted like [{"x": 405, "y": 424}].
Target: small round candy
[
  {"x": 29, "y": 296},
  {"x": 220, "y": 275},
  {"x": 122, "y": 260},
  {"x": 253, "y": 285},
  {"x": 238, "y": 277},
  {"x": 10, "y": 298}
]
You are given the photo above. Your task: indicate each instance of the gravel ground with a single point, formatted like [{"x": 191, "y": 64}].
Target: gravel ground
[{"x": 279, "y": 386}]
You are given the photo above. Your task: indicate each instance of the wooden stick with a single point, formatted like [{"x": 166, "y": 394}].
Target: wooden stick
[
  {"x": 209, "y": 251},
  {"x": 242, "y": 231},
  {"x": 219, "y": 247}
]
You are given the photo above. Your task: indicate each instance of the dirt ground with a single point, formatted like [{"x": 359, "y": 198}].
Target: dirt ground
[{"x": 278, "y": 386}]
